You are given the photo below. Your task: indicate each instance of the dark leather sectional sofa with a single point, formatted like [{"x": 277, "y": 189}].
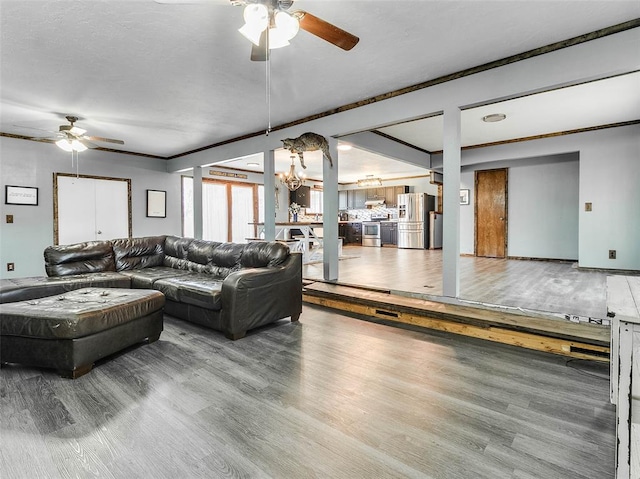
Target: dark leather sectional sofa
[{"x": 229, "y": 287}]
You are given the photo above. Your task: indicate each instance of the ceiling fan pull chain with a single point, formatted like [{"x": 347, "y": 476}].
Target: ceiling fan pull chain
[{"x": 268, "y": 83}]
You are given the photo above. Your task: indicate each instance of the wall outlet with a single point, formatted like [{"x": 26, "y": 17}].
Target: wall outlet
[
  {"x": 9, "y": 218},
  {"x": 10, "y": 267},
  {"x": 587, "y": 206},
  {"x": 612, "y": 254}
]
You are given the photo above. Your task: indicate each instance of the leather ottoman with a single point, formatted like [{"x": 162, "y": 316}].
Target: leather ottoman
[{"x": 70, "y": 331}]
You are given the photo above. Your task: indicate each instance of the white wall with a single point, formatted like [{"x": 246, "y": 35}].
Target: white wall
[{"x": 29, "y": 163}]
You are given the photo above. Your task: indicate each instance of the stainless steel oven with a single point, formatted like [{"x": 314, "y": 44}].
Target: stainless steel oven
[{"x": 371, "y": 233}]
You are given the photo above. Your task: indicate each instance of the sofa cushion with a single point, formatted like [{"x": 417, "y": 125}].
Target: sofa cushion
[
  {"x": 20, "y": 289},
  {"x": 79, "y": 258},
  {"x": 146, "y": 277},
  {"x": 261, "y": 254},
  {"x": 203, "y": 290},
  {"x": 137, "y": 253}
]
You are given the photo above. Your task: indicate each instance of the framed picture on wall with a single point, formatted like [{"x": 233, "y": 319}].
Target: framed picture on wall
[
  {"x": 464, "y": 197},
  {"x": 20, "y": 195},
  {"x": 156, "y": 204}
]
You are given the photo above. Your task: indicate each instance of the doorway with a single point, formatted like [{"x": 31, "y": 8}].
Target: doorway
[{"x": 491, "y": 213}]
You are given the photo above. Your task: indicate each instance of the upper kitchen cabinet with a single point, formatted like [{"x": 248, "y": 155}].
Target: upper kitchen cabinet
[
  {"x": 343, "y": 200},
  {"x": 391, "y": 195},
  {"x": 302, "y": 196},
  {"x": 356, "y": 199},
  {"x": 375, "y": 193}
]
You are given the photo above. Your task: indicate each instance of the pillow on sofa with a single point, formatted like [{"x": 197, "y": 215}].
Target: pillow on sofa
[
  {"x": 79, "y": 258},
  {"x": 138, "y": 253}
]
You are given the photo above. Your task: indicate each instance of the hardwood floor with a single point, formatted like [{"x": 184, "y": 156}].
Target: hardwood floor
[
  {"x": 328, "y": 397},
  {"x": 549, "y": 286}
]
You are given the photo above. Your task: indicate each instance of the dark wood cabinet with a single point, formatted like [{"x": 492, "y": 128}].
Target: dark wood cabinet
[
  {"x": 389, "y": 233},
  {"x": 302, "y": 196},
  {"x": 354, "y": 233}
]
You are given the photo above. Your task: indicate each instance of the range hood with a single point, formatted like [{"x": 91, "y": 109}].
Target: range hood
[{"x": 374, "y": 203}]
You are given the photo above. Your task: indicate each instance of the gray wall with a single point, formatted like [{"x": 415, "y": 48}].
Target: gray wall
[
  {"x": 608, "y": 176},
  {"x": 28, "y": 163},
  {"x": 542, "y": 219}
]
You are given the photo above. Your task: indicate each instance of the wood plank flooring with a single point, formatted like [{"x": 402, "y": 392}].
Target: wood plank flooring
[
  {"x": 328, "y": 397},
  {"x": 548, "y": 286}
]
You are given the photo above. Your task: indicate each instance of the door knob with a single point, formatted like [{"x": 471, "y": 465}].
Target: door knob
[
  {"x": 501, "y": 219},
  {"x": 100, "y": 232}
]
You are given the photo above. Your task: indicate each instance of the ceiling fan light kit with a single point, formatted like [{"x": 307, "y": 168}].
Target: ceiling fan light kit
[
  {"x": 268, "y": 25},
  {"x": 73, "y": 145}
]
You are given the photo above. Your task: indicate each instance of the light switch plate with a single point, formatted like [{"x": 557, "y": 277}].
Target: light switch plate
[
  {"x": 9, "y": 218},
  {"x": 587, "y": 206}
]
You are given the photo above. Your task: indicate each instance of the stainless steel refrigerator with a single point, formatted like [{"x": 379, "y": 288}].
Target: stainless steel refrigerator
[{"x": 413, "y": 220}]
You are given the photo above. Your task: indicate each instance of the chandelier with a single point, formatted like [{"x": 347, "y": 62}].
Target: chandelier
[
  {"x": 291, "y": 180},
  {"x": 370, "y": 181}
]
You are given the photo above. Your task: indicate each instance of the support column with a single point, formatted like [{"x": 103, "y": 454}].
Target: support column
[
  {"x": 197, "y": 202},
  {"x": 451, "y": 206},
  {"x": 269, "y": 195},
  {"x": 330, "y": 213}
]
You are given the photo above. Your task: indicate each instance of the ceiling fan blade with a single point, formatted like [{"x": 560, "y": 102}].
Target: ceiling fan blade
[
  {"x": 87, "y": 143},
  {"x": 260, "y": 53},
  {"x": 104, "y": 140},
  {"x": 326, "y": 30}
]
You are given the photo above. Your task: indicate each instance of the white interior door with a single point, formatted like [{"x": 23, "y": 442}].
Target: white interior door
[
  {"x": 91, "y": 209},
  {"x": 76, "y": 210},
  {"x": 111, "y": 209}
]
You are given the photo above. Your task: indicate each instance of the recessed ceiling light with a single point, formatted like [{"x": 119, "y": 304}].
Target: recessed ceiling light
[
  {"x": 253, "y": 163},
  {"x": 344, "y": 147},
  {"x": 494, "y": 117}
]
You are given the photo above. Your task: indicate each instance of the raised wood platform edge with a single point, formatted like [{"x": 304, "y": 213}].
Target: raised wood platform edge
[{"x": 582, "y": 341}]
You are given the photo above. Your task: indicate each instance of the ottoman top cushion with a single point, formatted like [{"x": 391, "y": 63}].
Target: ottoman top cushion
[{"x": 77, "y": 313}]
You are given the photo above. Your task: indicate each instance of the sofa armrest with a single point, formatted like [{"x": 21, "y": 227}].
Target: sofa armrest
[{"x": 255, "y": 296}]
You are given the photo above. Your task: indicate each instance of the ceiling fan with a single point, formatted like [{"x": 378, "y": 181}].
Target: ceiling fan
[
  {"x": 269, "y": 25},
  {"x": 73, "y": 138}
]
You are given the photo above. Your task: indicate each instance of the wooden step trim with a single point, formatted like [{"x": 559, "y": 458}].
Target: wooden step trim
[
  {"x": 577, "y": 340},
  {"x": 538, "y": 342}
]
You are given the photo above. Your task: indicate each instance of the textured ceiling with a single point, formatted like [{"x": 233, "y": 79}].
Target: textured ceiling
[{"x": 169, "y": 78}]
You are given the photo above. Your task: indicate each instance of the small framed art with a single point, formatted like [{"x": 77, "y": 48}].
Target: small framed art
[
  {"x": 20, "y": 195},
  {"x": 156, "y": 204}
]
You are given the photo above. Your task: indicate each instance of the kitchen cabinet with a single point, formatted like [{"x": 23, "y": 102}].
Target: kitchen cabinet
[
  {"x": 389, "y": 233},
  {"x": 343, "y": 200},
  {"x": 356, "y": 199},
  {"x": 391, "y": 195},
  {"x": 375, "y": 193},
  {"x": 354, "y": 233}
]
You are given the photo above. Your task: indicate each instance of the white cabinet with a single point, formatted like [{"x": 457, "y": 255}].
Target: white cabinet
[
  {"x": 90, "y": 208},
  {"x": 623, "y": 303}
]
